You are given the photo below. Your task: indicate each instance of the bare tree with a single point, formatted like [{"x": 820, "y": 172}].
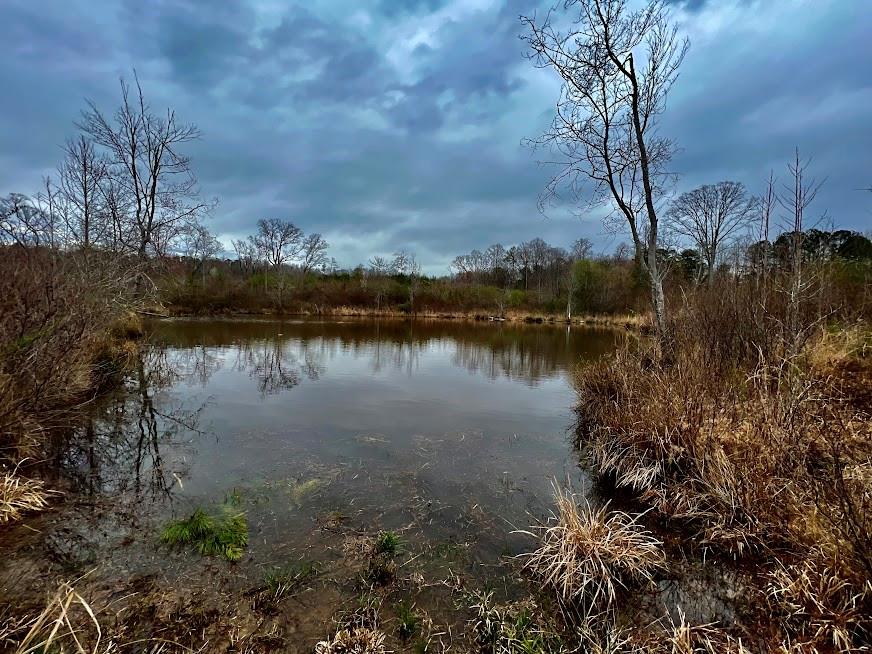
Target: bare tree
[
  {"x": 246, "y": 254},
  {"x": 22, "y": 222},
  {"x": 796, "y": 197},
  {"x": 313, "y": 253},
  {"x": 200, "y": 244},
  {"x": 82, "y": 173},
  {"x": 405, "y": 263},
  {"x": 379, "y": 267},
  {"x": 145, "y": 160},
  {"x": 276, "y": 242},
  {"x": 581, "y": 249},
  {"x": 604, "y": 128},
  {"x": 711, "y": 216}
]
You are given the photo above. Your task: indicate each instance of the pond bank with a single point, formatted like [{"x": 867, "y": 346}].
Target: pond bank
[{"x": 627, "y": 321}]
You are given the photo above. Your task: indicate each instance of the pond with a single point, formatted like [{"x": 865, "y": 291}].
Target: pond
[{"x": 449, "y": 434}]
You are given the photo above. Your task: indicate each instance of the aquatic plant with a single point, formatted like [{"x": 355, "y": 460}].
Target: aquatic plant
[
  {"x": 387, "y": 542},
  {"x": 282, "y": 581},
  {"x": 300, "y": 491},
  {"x": 585, "y": 555},
  {"x": 409, "y": 621},
  {"x": 515, "y": 628},
  {"x": 225, "y": 535}
]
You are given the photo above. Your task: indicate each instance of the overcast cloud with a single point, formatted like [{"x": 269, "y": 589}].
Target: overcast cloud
[{"x": 398, "y": 123}]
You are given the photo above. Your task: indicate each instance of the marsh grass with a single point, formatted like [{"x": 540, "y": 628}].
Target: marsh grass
[
  {"x": 587, "y": 555},
  {"x": 513, "y": 628},
  {"x": 225, "y": 534},
  {"x": 58, "y": 628},
  {"x": 753, "y": 435},
  {"x": 409, "y": 621},
  {"x": 358, "y": 631},
  {"x": 388, "y": 542},
  {"x": 281, "y": 582},
  {"x": 19, "y": 496}
]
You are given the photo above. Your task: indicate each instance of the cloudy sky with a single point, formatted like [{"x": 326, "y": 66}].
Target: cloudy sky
[{"x": 388, "y": 124}]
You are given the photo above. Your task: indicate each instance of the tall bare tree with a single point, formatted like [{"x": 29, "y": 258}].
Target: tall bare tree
[
  {"x": 711, "y": 216},
  {"x": 200, "y": 244},
  {"x": 145, "y": 159},
  {"x": 313, "y": 252},
  {"x": 405, "y": 263},
  {"x": 246, "y": 254},
  {"x": 277, "y": 241},
  {"x": 606, "y": 115},
  {"x": 82, "y": 173}
]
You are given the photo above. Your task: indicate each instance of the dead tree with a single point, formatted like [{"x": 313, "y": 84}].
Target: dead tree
[
  {"x": 313, "y": 253},
  {"x": 605, "y": 123},
  {"x": 145, "y": 160},
  {"x": 711, "y": 216}
]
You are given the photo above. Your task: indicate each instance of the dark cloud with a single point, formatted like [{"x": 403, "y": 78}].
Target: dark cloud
[{"x": 398, "y": 123}]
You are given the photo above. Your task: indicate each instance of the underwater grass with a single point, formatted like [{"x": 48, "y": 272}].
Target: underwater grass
[
  {"x": 281, "y": 581},
  {"x": 409, "y": 621},
  {"x": 387, "y": 542},
  {"x": 224, "y": 535}
]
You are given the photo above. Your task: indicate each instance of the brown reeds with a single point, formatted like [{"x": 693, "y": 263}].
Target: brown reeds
[
  {"x": 19, "y": 496},
  {"x": 587, "y": 555}
]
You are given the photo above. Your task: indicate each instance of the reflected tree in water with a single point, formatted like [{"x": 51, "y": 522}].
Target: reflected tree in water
[
  {"x": 279, "y": 364},
  {"x": 119, "y": 450}
]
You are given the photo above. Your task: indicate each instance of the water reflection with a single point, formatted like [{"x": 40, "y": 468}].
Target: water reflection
[
  {"x": 214, "y": 404},
  {"x": 278, "y": 356},
  {"x": 132, "y": 444}
]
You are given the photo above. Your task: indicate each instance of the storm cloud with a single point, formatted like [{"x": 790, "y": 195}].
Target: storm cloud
[{"x": 399, "y": 124}]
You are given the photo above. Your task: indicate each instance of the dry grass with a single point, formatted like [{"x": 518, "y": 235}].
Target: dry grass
[
  {"x": 818, "y": 607},
  {"x": 19, "y": 496},
  {"x": 758, "y": 441},
  {"x": 356, "y": 640},
  {"x": 586, "y": 555},
  {"x": 58, "y": 628}
]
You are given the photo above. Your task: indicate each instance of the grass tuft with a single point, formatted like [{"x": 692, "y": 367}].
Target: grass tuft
[
  {"x": 280, "y": 582},
  {"x": 225, "y": 535},
  {"x": 387, "y": 542},
  {"x": 585, "y": 555},
  {"x": 19, "y": 496},
  {"x": 409, "y": 621}
]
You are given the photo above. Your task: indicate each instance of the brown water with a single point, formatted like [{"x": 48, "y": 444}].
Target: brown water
[{"x": 320, "y": 431}]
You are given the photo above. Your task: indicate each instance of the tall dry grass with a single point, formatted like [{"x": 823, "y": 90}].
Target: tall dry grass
[
  {"x": 588, "y": 555},
  {"x": 756, "y": 436}
]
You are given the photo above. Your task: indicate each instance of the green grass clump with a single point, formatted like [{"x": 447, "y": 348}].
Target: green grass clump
[
  {"x": 387, "y": 542},
  {"x": 225, "y": 535},
  {"x": 409, "y": 621}
]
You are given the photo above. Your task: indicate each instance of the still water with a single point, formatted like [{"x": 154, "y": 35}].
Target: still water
[{"x": 448, "y": 433}]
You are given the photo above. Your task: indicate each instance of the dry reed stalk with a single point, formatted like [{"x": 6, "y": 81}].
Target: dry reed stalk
[
  {"x": 356, "y": 640},
  {"x": 54, "y": 625}
]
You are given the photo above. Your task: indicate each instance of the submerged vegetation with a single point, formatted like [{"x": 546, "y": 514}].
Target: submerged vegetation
[
  {"x": 388, "y": 543},
  {"x": 224, "y": 534}
]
